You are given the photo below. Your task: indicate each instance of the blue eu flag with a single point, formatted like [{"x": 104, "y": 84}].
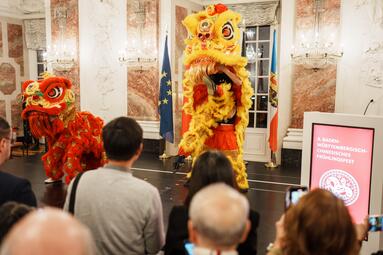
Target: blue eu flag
[{"x": 165, "y": 103}]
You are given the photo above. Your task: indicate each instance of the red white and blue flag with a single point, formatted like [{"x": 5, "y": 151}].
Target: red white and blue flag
[{"x": 273, "y": 98}]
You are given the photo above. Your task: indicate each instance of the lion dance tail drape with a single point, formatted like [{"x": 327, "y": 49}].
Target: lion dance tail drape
[{"x": 217, "y": 90}]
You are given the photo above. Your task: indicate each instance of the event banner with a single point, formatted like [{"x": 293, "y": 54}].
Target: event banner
[{"x": 341, "y": 161}]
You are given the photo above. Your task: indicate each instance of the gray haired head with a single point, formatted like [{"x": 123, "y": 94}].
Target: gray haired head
[{"x": 219, "y": 214}]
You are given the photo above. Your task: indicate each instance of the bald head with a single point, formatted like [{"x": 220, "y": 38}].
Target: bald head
[
  {"x": 48, "y": 231},
  {"x": 219, "y": 214}
]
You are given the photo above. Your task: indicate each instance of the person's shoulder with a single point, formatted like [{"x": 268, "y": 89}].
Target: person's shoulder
[
  {"x": 179, "y": 209},
  {"x": 145, "y": 185},
  {"x": 254, "y": 217},
  {"x": 11, "y": 179},
  {"x": 179, "y": 212}
]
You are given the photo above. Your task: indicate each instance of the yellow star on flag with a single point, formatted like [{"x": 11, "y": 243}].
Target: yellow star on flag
[
  {"x": 165, "y": 101},
  {"x": 169, "y": 82},
  {"x": 163, "y": 75},
  {"x": 169, "y": 92}
]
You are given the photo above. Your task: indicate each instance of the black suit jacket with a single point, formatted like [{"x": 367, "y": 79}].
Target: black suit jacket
[
  {"x": 178, "y": 232},
  {"x": 13, "y": 188}
]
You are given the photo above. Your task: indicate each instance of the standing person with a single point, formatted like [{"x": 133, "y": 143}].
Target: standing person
[
  {"x": 12, "y": 188},
  {"x": 210, "y": 167},
  {"x": 218, "y": 220},
  {"x": 124, "y": 213}
]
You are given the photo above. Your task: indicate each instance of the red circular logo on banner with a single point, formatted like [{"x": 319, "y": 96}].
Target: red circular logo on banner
[{"x": 341, "y": 184}]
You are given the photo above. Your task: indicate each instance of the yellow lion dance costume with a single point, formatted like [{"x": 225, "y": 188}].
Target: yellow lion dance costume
[{"x": 217, "y": 90}]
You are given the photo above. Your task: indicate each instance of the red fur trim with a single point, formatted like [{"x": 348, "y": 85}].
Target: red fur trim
[
  {"x": 237, "y": 93},
  {"x": 200, "y": 95},
  {"x": 60, "y": 80}
]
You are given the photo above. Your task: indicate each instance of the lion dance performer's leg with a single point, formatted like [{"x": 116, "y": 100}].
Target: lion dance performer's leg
[{"x": 51, "y": 161}]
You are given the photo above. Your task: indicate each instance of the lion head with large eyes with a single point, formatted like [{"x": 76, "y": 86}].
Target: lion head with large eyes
[
  {"x": 213, "y": 37},
  {"x": 49, "y": 105}
]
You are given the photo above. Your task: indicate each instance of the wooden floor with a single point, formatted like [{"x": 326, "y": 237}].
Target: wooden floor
[{"x": 266, "y": 193}]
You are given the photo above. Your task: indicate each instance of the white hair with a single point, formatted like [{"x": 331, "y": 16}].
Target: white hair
[
  {"x": 219, "y": 213},
  {"x": 37, "y": 228}
]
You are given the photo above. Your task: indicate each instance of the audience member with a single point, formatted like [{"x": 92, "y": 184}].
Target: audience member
[
  {"x": 48, "y": 231},
  {"x": 124, "y": 213},
  {"x": 318, "y": 224},
  {"x": 10, "y": 214},
  {"x": 218, "y": 220},
  {"x": 12, "y": 188},
  {"x": 210, "y": 167}
]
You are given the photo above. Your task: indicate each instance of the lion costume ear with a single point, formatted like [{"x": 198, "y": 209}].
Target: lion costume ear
[
  {"x": 25, "y": 84},
  {"x": 191, "y": 22}
]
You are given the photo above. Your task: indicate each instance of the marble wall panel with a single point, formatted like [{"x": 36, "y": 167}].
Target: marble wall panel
[
  {"x": 16, "y": 109},
  {"x": 143, "y": 86},
  {"x": 2, "y": 109},
  {"x": 103, "y": 78},
  {"x": 7, "y": 78},
  {"x": 15, "y": 44},
  {"x": 314, "y": 90},
  {"x": 143, "y": 94},
  {"x": 1, "y": 41},
  {"x": 360, "y": 72},
  {"x": 180, "y": 35},
  {"x": 71, "y": 38},
  {"x": 177, "y": 113}
]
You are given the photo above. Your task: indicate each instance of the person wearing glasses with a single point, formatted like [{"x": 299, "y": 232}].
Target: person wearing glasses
[{"x": 12, "y": 188}]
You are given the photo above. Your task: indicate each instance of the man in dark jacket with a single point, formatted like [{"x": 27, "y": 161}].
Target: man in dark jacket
[{"x": 12, "y": 188}]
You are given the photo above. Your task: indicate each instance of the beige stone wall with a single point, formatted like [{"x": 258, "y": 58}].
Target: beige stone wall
[{"x": 314, "y": 90}]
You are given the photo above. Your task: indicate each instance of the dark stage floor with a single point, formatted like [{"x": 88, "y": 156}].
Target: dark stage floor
[{"x": 266, "y": 193}]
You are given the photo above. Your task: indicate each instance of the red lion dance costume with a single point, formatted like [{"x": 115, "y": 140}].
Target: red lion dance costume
[
  {"x": 74, "y": 138},
  {"x": 217, "y": 90}
]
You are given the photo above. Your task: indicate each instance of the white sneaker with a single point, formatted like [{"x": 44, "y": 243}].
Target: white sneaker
[{"x": 50, "y": 180}]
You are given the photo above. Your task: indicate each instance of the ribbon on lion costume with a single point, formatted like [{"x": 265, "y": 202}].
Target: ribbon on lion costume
[{"x": 217, "y": 91}]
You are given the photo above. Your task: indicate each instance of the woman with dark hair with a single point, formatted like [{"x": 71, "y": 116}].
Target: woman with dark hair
[
  {"x": 10, "y": 214},
  {"x": 210, "y": 167},
  {"x": 318, "y": 224}
]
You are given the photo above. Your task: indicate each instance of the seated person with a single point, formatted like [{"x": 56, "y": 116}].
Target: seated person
[
  {"x": 12, "y": 188},
  {"x": 218, "y": 220},
  {"x": 318, "y": 224},
  {"x": 123, "y": 212},
  {"x": 48, "y": 231},
  {"x": 210, "y": 167},
  {"x": 10, "y": 214}
]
